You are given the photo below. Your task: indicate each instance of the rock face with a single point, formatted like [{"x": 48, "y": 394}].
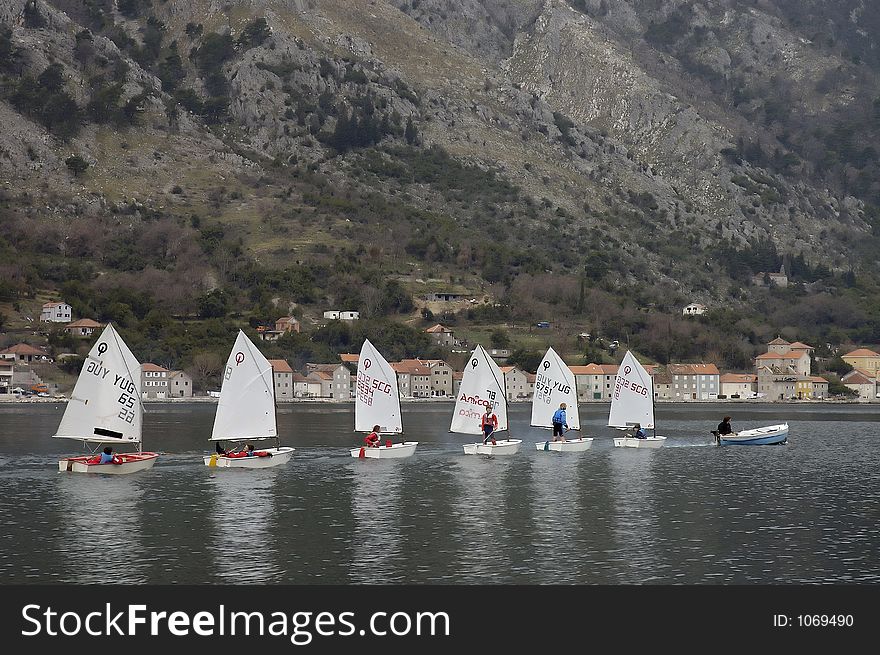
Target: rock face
[{"x": 679, "y": 117}]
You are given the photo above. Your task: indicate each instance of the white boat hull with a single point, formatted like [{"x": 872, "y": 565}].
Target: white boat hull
[
  {"x": 567, "y": 446},
  {"x": 278, "y": 457},
  {"x": 394, "y": 451},
  {"x": 632, "y": 442},
  {"x": 769, "y": 435},
  {"x": 131, "y": 463},
  {"x": 500, "y": 447}
]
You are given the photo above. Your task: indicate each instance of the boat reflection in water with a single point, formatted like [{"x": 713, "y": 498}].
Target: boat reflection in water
[
  {"x": 635, "y": 525},
  {"x": 480, "y": 510},
  {"x": 101, "y": 526},
  {"x": 243, "y": 513},
  {"x": 375, "y": 505}
]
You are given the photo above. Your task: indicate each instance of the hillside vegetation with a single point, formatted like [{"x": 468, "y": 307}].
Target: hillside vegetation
[{"x": 185, "y": 168}]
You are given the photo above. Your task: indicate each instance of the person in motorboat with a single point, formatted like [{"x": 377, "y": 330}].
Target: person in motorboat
[
  {"x": 489, "y": 422},
  {"x": 724, "y": 426},
  {"x": 723, "y": 429},
  {"x": 560, "y": 423},
  {"x": 639, "y": 432},
  {"x": 372, "y": 439}
]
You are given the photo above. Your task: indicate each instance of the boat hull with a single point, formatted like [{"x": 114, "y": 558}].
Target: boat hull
[
  {"x": 769, "y": 435},
  {"x": 632, "y": 442},
  {"x": 568, "y": 446},
  {"x": 500, "y": 447},
  {"x": 278, "y": 457},
  {"x": 131, "y": 463},
  {"x": 395, "y": 451}
]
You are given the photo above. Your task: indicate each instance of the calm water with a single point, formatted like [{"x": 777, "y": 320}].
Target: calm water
[{"x": 688, "y": 513}]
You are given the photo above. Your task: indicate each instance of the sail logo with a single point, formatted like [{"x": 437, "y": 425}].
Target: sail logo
[
  {"x": 479, "y": 402},
  {"x": 367, "y": 363},
  {"x": 239, "y": 358},
  {"x": 102, "y": 348}
]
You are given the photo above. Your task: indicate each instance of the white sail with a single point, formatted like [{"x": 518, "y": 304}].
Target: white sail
[
  {"x": 554, "y": 384},
  {"x": 482, "y": 384},
  {"x": 246, "y": 409},
  {"x": 106, "y": 403},
  {"x": 632, "y": 399},
  {"x": 378, "y": 400}
]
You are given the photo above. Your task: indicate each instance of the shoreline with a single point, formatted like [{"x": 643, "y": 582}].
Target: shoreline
[{"x": 11, "y": 400}]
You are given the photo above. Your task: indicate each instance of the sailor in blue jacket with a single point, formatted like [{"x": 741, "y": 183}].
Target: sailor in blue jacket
[
  {"x": 559, "y": 422},
  {"x": 639, "y": 432}
]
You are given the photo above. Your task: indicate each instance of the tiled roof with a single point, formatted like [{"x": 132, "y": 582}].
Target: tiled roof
[
  {"x": 743, "y": 378},
  {"x": 437, "y": 329},
  {"x": 153, "y": 368},
  {"x": 84, "y": 323},
  {"x": 280, "y": 366},
  {"x": 862, "y": 352},
  {"x": 778, "y": 341},
  {"x": 23, "y": 349},
  {"x": 589, "y": 369},
  {"x": 797, "y": 345},
  {"x": 693, "y": 369}
]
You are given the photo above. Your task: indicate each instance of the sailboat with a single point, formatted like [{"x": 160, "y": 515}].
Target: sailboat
[
  {"x": 378, "y": 403},
  {"x": 632, "y": 401},
  {"x": 482, "y": 386},
  {"x": 106, "y": 408},
  {"x": 554, "y": 385},
  {"x": 246, "y": 409}
]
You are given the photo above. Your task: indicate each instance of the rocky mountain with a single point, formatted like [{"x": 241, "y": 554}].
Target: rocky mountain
[{"x": 587, "y": 159}]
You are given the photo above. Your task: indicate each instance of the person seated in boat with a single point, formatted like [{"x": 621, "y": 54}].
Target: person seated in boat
[
  {"x": 221, "y": 450},
  {"x": 639, "y": 432},
  {"x": 724, "y": 426},
  {"x": 372, "y": 439},
  {"x": 560, "y": 423},
  {"x": 107, "y": 457},
  {"x": 489, "y": 422}
]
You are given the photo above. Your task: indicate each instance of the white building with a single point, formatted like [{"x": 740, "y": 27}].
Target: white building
[
  {"x": 56, "y": 312},
  {"x": 342, "y": 316},
  {"x": 694, "y": 309},
  {"x": 739, "y": 385}
]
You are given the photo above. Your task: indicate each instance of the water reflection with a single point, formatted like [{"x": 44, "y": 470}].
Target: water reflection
[
  {"x": 245, "y": 550},
  {"x": 480, "y": 507},
  {"x": 375, "y": 505},
  {"x": 635, "y": 515},
  {"x": 555, "y": 502},
  {"x": 101, "y": 528}
]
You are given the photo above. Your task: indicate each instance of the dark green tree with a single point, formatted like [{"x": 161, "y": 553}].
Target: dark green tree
[{"x": 76, "y": 164}]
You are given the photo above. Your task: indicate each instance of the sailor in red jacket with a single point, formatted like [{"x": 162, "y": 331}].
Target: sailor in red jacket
[
  {"x": 489, "y": 423},
  {"x": 372, "y": 439}
]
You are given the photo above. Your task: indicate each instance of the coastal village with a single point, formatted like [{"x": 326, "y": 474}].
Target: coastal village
[{"x": 782, "y": 373}]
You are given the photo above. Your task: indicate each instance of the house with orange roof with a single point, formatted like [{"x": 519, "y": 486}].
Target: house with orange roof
[
  {"x": 738, "y": 385},
  {"x": 589, "y": 381},
  {"x": 457, "y": 377},
  {"x": 23, "y": 353},
  {"x": 304, "y": 387},
  {"x": 442, "y": 335},
  {"x": 516, "y": 384},
  {"x": 84, "y": 327},
  {"x": 783, "y": 357},
  {"x": 282, "y": 377},
  {"x": 811, "y": 387},
  {"x": 413, "y": 378},
  {"x": 441, "y": 376},
  {"x": 862, "y": 383},
  {"x": 864, "y": 359},
  {"x": 694, "y": 381},
  {"x": 335, "y": 380}
]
